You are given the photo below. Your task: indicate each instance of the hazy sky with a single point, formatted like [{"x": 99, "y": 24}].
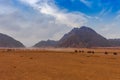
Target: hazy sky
[{"x": 30, "y": 21}]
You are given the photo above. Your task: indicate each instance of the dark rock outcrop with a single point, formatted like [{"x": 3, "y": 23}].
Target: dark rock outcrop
[
  {"x": 8, "y": 42},
  {"x": 48, "y": 43},
  {"x": 83, "y": 37}
]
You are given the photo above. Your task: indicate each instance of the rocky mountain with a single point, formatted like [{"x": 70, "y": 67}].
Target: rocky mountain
[
  {"x": 48, "y": 43},
  {"x": 7, "y": 41},
  {"x": 78, "y": 37},
  {"x": 114, "y": 42},
  {"x": 83, "y": 37}
]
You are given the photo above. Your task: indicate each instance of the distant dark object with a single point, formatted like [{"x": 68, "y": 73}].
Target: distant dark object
[
  {"x": 88, "y": 51},
  {"x": 81, "y": 51},
  {"x": 114, "y": 42},
  {"x": 14, "y": 67},
  {"x": 48, "y": 43},
  {"x": 8, "y": 42},
  {"x": 83, "y": 37},
  {"x": 91, "y": 52},
  {"x": 9, "y": 50},
  {"x": 106, "y": 53},
  {"x": 76, "y": 51},
  {"x": 114, "y": 53},
  {"x": 31, "y": 58}
]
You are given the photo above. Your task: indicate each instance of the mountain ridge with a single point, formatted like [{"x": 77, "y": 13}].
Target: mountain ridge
[
  {"x": 82, "y": 37},
  {"x": 48, "y": 43},
  {"x": 9, "y": 42}
]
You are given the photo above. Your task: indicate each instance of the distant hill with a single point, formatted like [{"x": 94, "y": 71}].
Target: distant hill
[
  {"x": 114, "y": 42},
  {"x": 78, "y": 37},
  {"x": 7, "y": 41},
  {"x": 48, "y": 43},
  {"x": 83, "y": 37}
]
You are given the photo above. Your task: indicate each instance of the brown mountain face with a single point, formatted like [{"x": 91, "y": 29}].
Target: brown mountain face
[
  {"x": 9, "y": 42},
  {"x": 77, "y": 37},
  {"x": 48, "y": 43},
  {"x": 83, "y": 37},
  {"x": 114, "y": 42}
]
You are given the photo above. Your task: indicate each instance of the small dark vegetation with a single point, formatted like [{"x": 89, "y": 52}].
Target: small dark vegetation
[
  {"x": 88, "y": 51},
  {"x": 91, "y": 52},
  {"x": 106, "y": 53},
  {"x": 76, "y": 51},
  {"x": 9, "y": 50},
  {"x": 31, "y": 58},
  {"x": 14, "y": 67},
  {"x": 114, "y": 53},
  {"x": 21, "y": 56},
  {"x": 81, "y": 51}
]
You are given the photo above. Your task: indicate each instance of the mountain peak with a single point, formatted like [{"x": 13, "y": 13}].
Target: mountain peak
[
  {"x": 83, "y": 29},
  {"x": 83, "y": 37},
  {"x": 48, "y": 43},
  {"x": 7, "y": 41},
  {"x": 88, "y": 29},
  {"x": 78, "y": 37}
]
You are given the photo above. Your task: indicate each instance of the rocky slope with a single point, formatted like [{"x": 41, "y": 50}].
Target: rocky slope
[
  {"x": 7, "y": 41},
  {"x": 78, "y": 37}
]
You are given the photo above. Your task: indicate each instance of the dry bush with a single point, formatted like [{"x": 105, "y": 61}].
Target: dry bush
[
  {"x": 88, "y": 51},
  {"x": 106, "y": 52},
  {"x": 114, "y": 53},
  {"x": 80, "y": 51},
  {"x": 14, "y": 67},
  {"x": 31, "y": 58},
  {"x": 21, "y": 56},
  {"x": 8, "y": 50},
  {"x": 76, "y": 51},
  {"x": 92, "y": 52}
]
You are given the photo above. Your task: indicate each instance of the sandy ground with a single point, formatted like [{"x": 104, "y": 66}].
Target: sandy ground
[{"x": 59, "y": 64}]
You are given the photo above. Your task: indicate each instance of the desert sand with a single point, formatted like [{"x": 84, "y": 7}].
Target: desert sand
[{"x": 59, "y": 64}]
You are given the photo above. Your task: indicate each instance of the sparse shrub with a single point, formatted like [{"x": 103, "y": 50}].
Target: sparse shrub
[
  {"x": 31, "y": 58},
  {"x": 88, "y": 51},
  {"x": 80, "y": 51},
  {"x": 76, "y": 51},
  {"x": 106, "y": 52},
  {"x": 8, "y": 50},
  {"x": 14, "y": 66},
  {"x": 93, "y": 52},
  {"x": 114, "y": 53},
  {"x": 21, "y": 56}
]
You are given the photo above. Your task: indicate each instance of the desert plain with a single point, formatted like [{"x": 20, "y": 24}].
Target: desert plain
[{"x": 60, "y": 64}]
